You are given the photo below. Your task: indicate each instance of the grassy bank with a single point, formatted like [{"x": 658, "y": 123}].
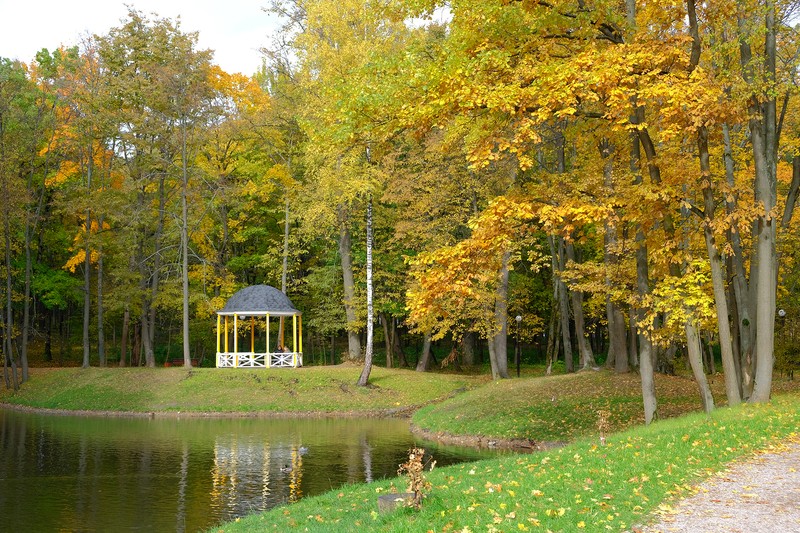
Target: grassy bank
[
  {"x": 311, "y": 389},
  {"x": 580, "y": 487},
  {"x": 561, "y": 408}
]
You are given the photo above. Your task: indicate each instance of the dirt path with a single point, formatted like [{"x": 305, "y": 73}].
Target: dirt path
[{"x": 759, "y": 494}]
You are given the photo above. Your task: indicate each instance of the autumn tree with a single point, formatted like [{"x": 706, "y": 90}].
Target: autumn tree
[
  {"x": 333, "y": 41},
  {"x": 596, "y": 66},
  {"x": 16, "y": 107},
  {"x": 159, "y": 82}
]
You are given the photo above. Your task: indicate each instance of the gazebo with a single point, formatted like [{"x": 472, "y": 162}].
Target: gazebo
[{"x": 254, "y": 306}]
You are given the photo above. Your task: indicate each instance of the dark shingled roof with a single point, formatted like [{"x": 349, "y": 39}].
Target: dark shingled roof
[{"x": 259, "y": 299}]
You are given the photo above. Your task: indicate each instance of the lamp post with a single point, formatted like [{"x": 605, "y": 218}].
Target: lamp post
[{"x": 518, "y": 318}]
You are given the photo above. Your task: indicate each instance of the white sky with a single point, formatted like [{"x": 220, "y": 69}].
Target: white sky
[{"x": 234, "y": 29}]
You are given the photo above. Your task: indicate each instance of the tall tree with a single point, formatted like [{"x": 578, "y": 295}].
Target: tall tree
[{"x": 16, "y": 105}]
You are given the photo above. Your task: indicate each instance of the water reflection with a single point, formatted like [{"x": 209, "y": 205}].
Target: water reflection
[{"x": 95, "y": 474}]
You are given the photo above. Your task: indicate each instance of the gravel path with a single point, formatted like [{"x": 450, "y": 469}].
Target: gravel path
[{"x": 759, "y": 494}]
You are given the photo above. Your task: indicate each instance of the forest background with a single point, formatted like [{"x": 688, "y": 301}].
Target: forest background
[{"x": 605, "y": 182}]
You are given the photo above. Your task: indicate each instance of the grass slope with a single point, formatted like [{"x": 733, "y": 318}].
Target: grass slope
[
  {"x": 560, "y": 407},
  {"x": 311, "y": 389},
  {"x": 580, "y": 487}
]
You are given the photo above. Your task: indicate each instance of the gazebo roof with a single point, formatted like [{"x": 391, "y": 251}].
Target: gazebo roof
[{"x": 259, "y": 300}]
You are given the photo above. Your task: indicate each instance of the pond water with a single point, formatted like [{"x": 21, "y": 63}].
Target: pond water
[{"x": 72, "y": 473}]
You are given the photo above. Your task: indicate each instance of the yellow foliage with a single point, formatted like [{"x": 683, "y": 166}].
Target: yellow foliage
[
  {"x": 67, "y": 169},
  {"x": 79, "y": 258}
]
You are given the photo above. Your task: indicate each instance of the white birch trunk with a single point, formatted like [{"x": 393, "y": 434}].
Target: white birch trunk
[{"x": 364, "y": 378}]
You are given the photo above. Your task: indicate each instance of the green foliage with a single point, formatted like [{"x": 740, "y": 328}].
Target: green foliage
[{"x": 55, "y": 288}]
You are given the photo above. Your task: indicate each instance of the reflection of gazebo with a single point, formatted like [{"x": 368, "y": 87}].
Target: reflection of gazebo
[{"x": 259, "y": 303}]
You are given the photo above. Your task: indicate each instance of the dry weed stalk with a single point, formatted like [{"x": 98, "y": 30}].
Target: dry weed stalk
[
  {"x": 603, "y": 425},
  {"x": 413, "y": 469}
]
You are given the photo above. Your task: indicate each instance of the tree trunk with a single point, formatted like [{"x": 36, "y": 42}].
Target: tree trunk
[
  {"x": 551, "y": 352},
  {"x": 763, "y": 132},
  {"x": 468, "y": 342},
  {"x": 645, "y": 346},
  {"x": 617, "y": 349},
  {"x": 387, "y": 340},
  {"x": 741, "y": 290},
  {"x": 499, "y": 356},
  {"x": 696, "y": 362},
  {"x": 617, "y": 336},
  {"x": 353, "y": 341},
  {"x": 735, "y": 329},
  {"x": 149, "y": 329},
  {"x": 585, "y": 350},
  {"x": 364, "y": 378},
  {"x": 397, "y": 349},
  {"x": 643, "y": 288},
  {"x": 26, "y": 312},
  {"x": 8, "y": 336},
  {"x": 123, "y": 341},
  {"x": 791, "y": 196},
  {"x": 187, "y": 352},
  {"x": 633, "y": 344},
  {"x": 563, "y": 304},
  {"x": 8, "y": 341},
  {"x": 717, "y": 275},
  {"x": 87, "y": 292},
  {"x": 424, "y": 361},
  {"x": 285, "y": 261},
  {"x": 48, "y": 340},
  {"x": 101, "y": 339},
  {"x": 710, "y": 363},
  {"x": 147, "y": 347},
  {"x": 31, "y": 224}
]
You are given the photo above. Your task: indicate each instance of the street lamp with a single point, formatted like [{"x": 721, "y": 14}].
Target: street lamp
[{"x": 518, "y": 318}]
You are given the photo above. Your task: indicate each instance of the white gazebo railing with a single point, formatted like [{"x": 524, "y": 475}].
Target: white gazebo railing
[{"x": 259, "y": 360}]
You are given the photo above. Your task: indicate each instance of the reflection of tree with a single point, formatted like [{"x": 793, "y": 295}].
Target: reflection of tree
[
  {"x": 265, "y": 477},
  {"x": 180, "y": 524},
  {"x": 366, "y": 451},
  {"x": 296, "y": 476},
  {"x": 242, "y": 477}
]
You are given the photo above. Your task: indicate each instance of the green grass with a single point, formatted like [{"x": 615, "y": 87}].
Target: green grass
[
  {"x": 312, "y": 389},
  {"x": 558, "y": 408},
  {"x": 580, "y": 487}
]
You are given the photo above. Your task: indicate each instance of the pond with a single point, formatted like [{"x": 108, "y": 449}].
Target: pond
[{"x": 73, "y": 473}]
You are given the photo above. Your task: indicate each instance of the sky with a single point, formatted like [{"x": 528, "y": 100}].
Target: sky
[{"x": 234, "y": 29}]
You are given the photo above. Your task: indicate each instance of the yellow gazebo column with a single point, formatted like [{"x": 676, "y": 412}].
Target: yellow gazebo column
[
  {"x": 219, "y": 318},
  {"x": 300, "y": 331},
  {"x": 226, "y": 334},
  {"x": 235, "y": 340},
  {"x": 294, "y": 339},
  {"x": 269, "y": 359}
]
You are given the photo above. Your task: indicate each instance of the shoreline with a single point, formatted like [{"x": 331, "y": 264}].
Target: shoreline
[
  {"x": 399, "y": 412},
  {"x": 440, "y": 437},
  {"x": 483, "y": 442}
]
